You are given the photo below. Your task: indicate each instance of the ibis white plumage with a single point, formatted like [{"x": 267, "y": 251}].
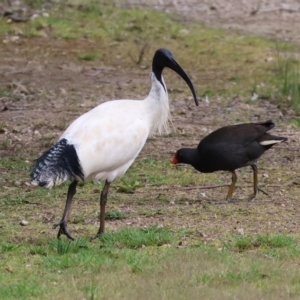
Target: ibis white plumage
[{"x": 102, "y": 144}]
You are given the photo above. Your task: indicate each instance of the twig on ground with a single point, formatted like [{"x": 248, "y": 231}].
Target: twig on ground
[{"x": 213, "y": 186}]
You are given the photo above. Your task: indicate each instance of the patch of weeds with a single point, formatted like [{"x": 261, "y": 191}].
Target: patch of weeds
[
  {"x": 155, "y": 179},
  {"x": 149, "y": 162},
  {"x": 6, "y": 92},
  {"x": 291, "y": 83},
  {"x": 78, "y": 219},
  {"x": 8, "y": 247},
  {"x": 208, "y": 93},
  {"x": 4, "y": 28},
  {"x": 78, "y": 255},
  {"x": 12, "y": 200},
  {"x": 282, "y": 46},
  {"x": 87, "y": 57},
  {"x": 275, "y": 241},
  {"x": 61, "y": 262},
  {"x": 41, "y": 250},
  {"x": 115, "y": 215},
  {"x": 288, "y": 73},
  {"x": 62, "y": 246},
  {"x": 151, "y": 212},
  {"x": 295, "y": 122},
  {"x": 21, "y": 289},
  {"x": 13, "y": 163},
  {"x": 242, "y": 244},
  {"x": 135, "y": 238},
  {"x": 128, "y": 185},
  {"x": 90, "y": 290}
]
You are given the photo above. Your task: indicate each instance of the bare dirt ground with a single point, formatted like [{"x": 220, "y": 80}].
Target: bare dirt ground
[
  {"x": 43, "y": 75},
  {"x": 275, "y": 18}
]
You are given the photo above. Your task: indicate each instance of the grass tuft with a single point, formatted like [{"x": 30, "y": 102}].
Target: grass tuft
[
  {"x": 87, "y": 57},
  {"x": 134, "y": 238},
  {"x": 262, "y": 241},
  {"x": 128, "y": 185},
  {"x": 115, "y": 215},
  {"x": 289, "y": 81},
  {"x": 8, "y": 247},
  {"x": 62, "y": 246}
]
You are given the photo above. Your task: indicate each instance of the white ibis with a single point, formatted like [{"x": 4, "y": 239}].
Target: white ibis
[
  {"x": 230, "y": 148},
  {"x": 103, "y": 143}
]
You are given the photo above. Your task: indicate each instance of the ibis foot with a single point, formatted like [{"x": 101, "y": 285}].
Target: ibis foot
[
  {"x": 63, "y": 229},
  {"x": 96, "y": 236}
]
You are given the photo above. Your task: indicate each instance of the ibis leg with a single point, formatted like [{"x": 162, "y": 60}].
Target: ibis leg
[
  {"x": 63, "y": 229},
  {"x": 231, "y": 188},
  {"x": 103, "y": 200},
  {"x": 255, "y": 184}
]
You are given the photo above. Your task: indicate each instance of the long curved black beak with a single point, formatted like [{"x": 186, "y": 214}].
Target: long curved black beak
[{"x": 164, "y": 58}]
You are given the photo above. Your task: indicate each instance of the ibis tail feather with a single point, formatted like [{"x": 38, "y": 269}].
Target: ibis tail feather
[{"x": 58, "y": 164}]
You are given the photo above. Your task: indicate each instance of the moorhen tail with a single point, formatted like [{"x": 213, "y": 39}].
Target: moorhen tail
[{"x": 230, "y": 148}]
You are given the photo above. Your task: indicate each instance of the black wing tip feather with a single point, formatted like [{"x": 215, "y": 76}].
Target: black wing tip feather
[{"x": 57, "y": 164}]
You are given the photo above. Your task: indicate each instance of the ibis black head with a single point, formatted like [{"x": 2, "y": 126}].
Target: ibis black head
[{"x": 164, "y": 58}]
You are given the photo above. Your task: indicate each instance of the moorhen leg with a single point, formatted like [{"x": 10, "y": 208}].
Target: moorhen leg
[
  {"x": 255, "y": 184},
  {"x": 231, "y": 188}
]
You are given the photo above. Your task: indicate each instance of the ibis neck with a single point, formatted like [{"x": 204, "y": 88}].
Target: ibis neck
[{"x": 158, "y": 105}]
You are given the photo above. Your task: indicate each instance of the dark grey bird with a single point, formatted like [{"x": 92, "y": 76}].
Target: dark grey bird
[{"x": 230, "y": 148}]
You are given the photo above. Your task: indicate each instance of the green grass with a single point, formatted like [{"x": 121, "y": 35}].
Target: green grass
[
  {"x": 128, "y": 185},
  {"x": 163, "y": 241},
  {"x": 115, "y": 215},
  {"x": 137, "y": 238},
  {"x": 87, "y": 57},
  {"x": 120, "y": 270},
  {"x": 263, "y": 242},
  {"x": 295, "y": 122},
  {"x": 289, "y": 82},
  {"x": 131, "y": 262}
]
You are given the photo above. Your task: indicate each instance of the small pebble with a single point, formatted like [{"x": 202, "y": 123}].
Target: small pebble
[
  {"x": 240, "y": 231},
  {"x": 24, "y": 223}
]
